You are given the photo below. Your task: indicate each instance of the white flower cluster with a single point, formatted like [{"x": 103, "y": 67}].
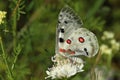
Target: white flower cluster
[
  {"x": 113, "y": 44},
  {"x": 64, "y": 67},
  {"x": 107, "y": 35},
  {"x": 2, "y": 16}
]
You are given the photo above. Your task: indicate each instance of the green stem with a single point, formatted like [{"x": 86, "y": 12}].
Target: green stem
[
  {"x": 109, "y": 61},
  {"x": 14, "y": 31},
  {"x": 5, "y": 60},
  {"x": 13, "y": 65}
]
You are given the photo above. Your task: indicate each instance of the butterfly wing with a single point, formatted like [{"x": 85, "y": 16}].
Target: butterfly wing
[
  {"x": 68, "y": 21},
  {"x": 71, "y": 38},
  {"x": 83, "y": 42}
]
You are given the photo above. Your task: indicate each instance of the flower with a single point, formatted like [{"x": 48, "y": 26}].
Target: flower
[
  {"x": 64, "y": 68},
  {"x": 105, "y": 49},
  {"x": 107, "y": 35},
  {"x": 2, "y": 16},
  {"x": 115, "y": 45}
]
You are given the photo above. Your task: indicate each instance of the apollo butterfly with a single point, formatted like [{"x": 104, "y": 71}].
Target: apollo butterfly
[{"x": 71, "y": 38}]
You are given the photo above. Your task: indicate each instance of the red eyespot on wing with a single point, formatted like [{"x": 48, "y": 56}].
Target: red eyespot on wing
[
  {"x": 73, "y": 52},
  {"x": 62, "y": 50},
  {"x": 81, "y": 39},
  {"x": 70, "y": 51},
  {"x": 68, "y": 41}
]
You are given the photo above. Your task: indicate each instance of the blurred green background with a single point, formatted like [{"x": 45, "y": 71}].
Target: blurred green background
[{"x": 30, "y": 36}]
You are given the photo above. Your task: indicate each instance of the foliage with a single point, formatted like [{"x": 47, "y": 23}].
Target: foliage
[{"x": 27, "y": 36}]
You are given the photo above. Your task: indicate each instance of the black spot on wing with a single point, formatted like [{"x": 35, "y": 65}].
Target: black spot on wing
[
  {"x": 60, "y": 15},
  {"x": 59, "y": 21},
  {"x": 65, "y": 22},
  {"x": 61, "y": 40},
  {"x": 85, "y": 49},
  {"x": 62, "y": 30},
  {"x": 70, "y": 14}
]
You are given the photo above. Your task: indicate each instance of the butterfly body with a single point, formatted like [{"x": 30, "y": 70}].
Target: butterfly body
[{"x": 71, "y": 38}]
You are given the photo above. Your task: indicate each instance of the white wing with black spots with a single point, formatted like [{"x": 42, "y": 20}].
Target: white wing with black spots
[
  {"x": 68, "y": 21},
  {"x": 71, "y": 38}
]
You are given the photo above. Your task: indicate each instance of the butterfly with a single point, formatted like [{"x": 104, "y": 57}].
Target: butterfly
[{"x": 71, "y": 38}]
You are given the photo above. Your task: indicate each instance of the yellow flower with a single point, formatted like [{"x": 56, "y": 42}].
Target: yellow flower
[{"x": 2, "y": 16}]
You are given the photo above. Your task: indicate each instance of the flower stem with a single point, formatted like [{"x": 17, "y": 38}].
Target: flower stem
[
  {"x": 14, "y": 31},
  {"x": 5, "y": 60},
  {"x": 109, "y": 60}
]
